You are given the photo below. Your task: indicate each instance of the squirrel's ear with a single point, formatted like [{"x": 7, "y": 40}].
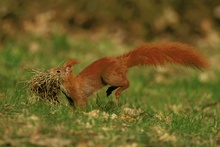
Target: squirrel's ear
[
  {"x": 68, "y": 69},
  {"x": 69, "y": 64}
]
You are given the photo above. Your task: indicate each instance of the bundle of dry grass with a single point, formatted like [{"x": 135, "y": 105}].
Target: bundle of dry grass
[{"x": 45, "y": 85}]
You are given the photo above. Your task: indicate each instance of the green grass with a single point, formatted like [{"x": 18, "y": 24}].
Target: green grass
[{"x": 177, "y": 110}]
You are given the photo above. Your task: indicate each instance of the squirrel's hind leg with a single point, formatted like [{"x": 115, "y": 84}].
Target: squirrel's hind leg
[
  {"x": 115, "y": 76},
  {"x": 124, "y": 86},
  {"x": 119, "y": 82}
]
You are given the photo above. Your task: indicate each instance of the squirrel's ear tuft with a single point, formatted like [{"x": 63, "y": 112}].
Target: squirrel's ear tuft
[{"x": 69, "y": 63}]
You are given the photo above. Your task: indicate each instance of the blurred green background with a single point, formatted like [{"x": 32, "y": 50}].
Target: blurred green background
[
  {"x": 196, "y": 21},
  {"x": 43, "y": 34}
]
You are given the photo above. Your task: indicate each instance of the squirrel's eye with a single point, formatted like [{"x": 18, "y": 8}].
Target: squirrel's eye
[{"x": 58, "y": 71}]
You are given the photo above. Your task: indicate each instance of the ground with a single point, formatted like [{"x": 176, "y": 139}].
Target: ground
[{"x": 171, "y": 106}]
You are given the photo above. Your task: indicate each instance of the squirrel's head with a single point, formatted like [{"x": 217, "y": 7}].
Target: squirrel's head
[{"x": 64, "y": 70}]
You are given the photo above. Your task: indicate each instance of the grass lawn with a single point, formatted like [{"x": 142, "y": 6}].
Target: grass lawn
[{"x": 172, "y": 106}]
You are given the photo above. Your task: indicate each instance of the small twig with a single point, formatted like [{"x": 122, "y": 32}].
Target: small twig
[{"x": 209, "y": 105}]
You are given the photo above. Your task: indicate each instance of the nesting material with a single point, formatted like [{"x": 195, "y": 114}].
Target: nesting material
[{"x": 45, "y": 85}]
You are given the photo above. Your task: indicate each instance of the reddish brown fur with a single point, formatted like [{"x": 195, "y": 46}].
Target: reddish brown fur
[
  {"x": 163, "y": 53},
  {"x": 112, "y": 71}
]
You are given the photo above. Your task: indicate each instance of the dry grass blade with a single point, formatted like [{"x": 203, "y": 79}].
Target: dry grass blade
[{"x": 45, "y": 85}]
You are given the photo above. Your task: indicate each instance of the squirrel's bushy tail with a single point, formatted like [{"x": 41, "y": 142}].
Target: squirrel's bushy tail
[{"x": 163, "y": 53}]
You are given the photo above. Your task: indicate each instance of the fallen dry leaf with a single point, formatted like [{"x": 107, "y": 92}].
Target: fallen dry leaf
[{"x": 50, "y": 142}]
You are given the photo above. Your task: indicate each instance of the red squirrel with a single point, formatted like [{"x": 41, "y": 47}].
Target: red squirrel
[{"x": 112, "y": 70}]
